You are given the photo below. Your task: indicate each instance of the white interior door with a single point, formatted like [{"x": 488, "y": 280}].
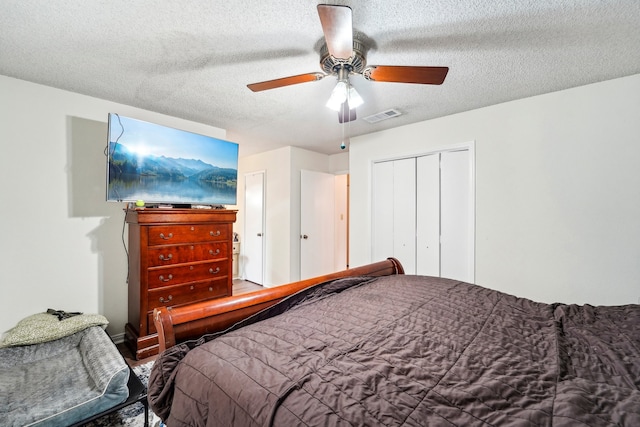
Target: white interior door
[
  {"x": 252, "y": 248},
  {"x": 382, "y": 215},
  {"x": 404, "y": 214},
  {"x": 394, "y": 212},
  {"x": 423, "y": 213},
  {"x": 428, "y": 215},
  {"x": 317, "y": 233},
  {"x": 457, "y": 241}
]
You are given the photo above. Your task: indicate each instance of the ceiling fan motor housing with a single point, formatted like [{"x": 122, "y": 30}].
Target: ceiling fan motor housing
[{"x": 355, "y": 64}]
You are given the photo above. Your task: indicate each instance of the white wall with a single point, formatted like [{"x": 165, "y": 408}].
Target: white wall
[
  {"x": 275, "y": 165},
  {"x": 282, "y": 205},
  {"x": 557, "y": 191},
  {"x": 339, "y": 163},
  {"x": 61, "y": 244},
  {"x": 558, "y": 196},
  {"x": 341, "y": 218}
]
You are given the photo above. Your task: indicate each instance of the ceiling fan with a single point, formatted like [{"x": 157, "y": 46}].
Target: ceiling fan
[{"x": 342, "y": 55}]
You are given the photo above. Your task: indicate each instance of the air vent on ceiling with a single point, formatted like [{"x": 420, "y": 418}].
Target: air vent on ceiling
[{"x": 384, "y": 115}]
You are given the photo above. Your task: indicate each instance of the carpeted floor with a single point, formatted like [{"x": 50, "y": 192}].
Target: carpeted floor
[{"x": 131, "y": 416}]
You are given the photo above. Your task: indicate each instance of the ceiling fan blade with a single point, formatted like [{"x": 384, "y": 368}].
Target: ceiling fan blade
[
  {"x": 406, "y": 74},
  {"x": 338, "y": 30},
  {"x": 285, "y": 81}
]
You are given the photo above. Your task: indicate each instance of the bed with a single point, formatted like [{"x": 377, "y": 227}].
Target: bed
[{"x": 372, "y": 346}]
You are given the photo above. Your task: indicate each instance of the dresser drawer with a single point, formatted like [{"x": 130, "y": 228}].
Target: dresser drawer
[
  {"x": 195, "y": 233},
  {"x": 158, "y": 277},
  {"x": 187, "y": 293},
  {"x": 178, "y": 254}
]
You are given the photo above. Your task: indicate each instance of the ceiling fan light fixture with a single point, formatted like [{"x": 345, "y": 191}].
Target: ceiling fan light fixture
[
  {"x": 355, "y": 100},
  {"x": 342, "y": 92},
  {"x": 338, "y": 95}
]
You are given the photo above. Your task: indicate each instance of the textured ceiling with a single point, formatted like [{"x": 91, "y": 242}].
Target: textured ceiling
[{"x": 193, "y": 59}]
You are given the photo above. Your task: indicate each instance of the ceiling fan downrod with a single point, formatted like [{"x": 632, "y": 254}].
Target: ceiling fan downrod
[{"x": 343, "y": 70}]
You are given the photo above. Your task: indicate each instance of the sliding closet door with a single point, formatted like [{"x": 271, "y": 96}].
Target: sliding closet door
[
  {"x": 423, "y": 214},
  {"x": 404, "y": 214},
  {"x": 456, "y": 220},
  {"x": 394, "y": 212},
  {"x": 382, "y": 211},
  {"x": 428, "y": 215}
]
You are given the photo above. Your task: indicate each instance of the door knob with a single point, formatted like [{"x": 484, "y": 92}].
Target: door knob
[
  {"x": 304, "y": 236},
  {"x": 259, "y": 234}
]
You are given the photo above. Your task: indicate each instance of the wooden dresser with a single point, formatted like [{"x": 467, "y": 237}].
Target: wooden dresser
[{"x": 176, "y": 256}]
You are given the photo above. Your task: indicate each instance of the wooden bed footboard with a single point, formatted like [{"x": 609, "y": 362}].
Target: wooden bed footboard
[{"x": 190, "y": 321}]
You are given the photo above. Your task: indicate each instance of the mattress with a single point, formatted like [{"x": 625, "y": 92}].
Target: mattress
[{"x": 408, "y": 351}]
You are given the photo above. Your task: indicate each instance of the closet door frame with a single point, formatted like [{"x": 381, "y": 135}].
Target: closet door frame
[{"x": 470, "y": 147}]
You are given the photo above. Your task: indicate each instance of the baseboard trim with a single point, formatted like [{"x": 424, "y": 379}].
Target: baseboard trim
[{"x": 118, "y": 338}]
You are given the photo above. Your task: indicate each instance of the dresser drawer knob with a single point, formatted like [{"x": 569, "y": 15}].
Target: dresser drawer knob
[
  {"x": 216, "y": 233},
  {"x": 216, "y": 252},
  {"x": 163, "y": 279},
  {"x": 210, "y": 289},
  {"x": 162, "y": 236},
  {"x": 165, "y": 258},
  {"x": 162, "y": 300},
  {"x": 212, "y": 271}
]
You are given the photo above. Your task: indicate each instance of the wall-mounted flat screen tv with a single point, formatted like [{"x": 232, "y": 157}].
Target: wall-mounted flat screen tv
[{"x": 162, "y": 165}]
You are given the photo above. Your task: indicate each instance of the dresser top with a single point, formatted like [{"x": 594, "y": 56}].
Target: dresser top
[{"x": 178, "y": 216}]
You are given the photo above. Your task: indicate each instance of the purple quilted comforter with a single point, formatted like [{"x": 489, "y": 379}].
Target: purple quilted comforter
[{"x": 410, "y": 351}]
